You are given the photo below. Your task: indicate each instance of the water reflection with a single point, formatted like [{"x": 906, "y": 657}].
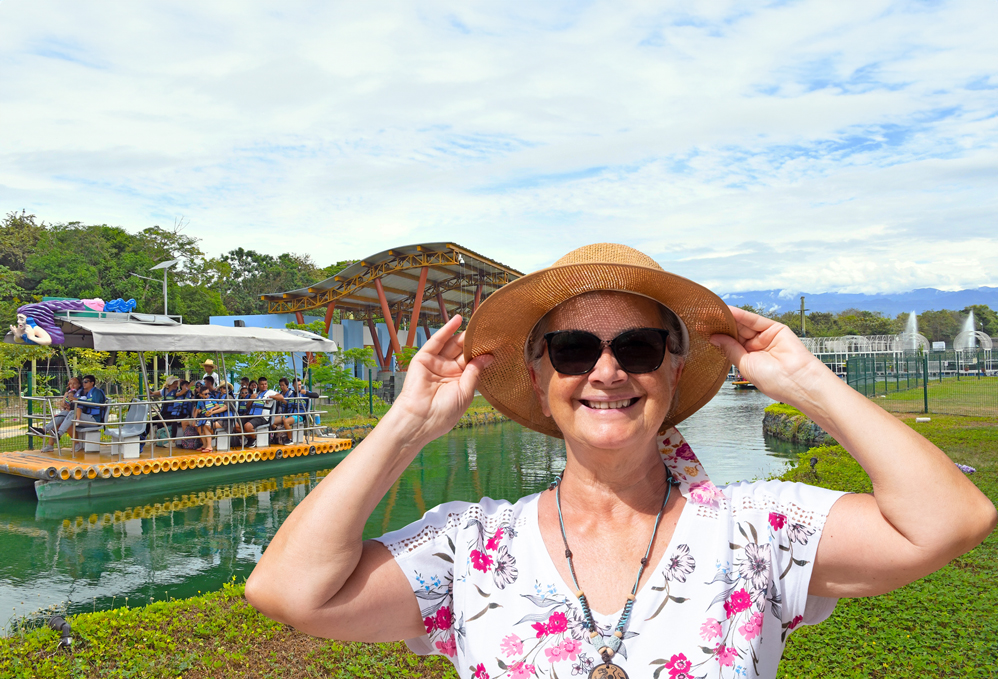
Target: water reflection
[{"x": 94, "y": 554}]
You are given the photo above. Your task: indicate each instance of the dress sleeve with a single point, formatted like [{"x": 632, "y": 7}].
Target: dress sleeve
[
  {"x": 794, "y": 516},
  {"x": 426, "y": 551}
]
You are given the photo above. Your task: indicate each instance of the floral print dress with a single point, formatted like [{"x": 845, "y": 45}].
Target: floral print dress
[{"x": 730, "y": 589}]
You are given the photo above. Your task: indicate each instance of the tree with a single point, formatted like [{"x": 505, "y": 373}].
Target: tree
[
  {"x": 939, "y": 326},
  {"x": 19, "y": 234},
  {"x": 983, "y": 314}
]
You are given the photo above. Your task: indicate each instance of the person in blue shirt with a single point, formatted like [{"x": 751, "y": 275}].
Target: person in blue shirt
[
  {"x": 88, "y": 408},
  {"x": 289, "y": 412},
  {"x": 206, "y": 416}
]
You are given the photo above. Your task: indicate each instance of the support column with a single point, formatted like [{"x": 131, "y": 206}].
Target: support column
[
  {"x": 416, "y": 304},
  {"x": 377, "y": 343},
  {"x": 391, "y": 351},
  {"x": 478, "y": 298},
  {"x": 299, "y": 318},
  {"x": 443, "y": 307},
  {"x": 387, "y": 312},
  {"x": 329, "y": 316}
]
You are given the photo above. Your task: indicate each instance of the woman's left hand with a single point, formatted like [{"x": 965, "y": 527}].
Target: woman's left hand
[{"x": 770, "y": 356}]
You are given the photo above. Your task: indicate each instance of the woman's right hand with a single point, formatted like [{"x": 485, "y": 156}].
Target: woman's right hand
[{"x": 439, "y": 384}]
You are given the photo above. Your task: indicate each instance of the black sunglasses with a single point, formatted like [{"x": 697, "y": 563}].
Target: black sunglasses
[{"x": 576, "y": 352}]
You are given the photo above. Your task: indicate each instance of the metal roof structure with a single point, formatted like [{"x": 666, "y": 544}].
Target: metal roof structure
[{"x": 429, "y": 280}]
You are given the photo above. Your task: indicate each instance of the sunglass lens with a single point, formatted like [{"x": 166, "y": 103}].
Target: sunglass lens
[
  {"x": 574, "y": 352},
  {"x": 640, "y": 351}
]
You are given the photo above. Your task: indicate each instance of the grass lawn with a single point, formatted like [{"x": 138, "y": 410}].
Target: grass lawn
[
  {"x": 971, "y": 396},
  {"x": 943, "y": 625}
]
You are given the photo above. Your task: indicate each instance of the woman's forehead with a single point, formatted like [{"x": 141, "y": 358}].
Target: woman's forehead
[{"x": 606, "y": 312}]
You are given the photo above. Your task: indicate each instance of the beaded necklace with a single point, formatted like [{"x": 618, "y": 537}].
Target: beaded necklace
[{"x": 607, "y": 646}]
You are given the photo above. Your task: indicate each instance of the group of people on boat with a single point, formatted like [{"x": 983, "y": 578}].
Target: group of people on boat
[
  {"x": 198, "y": 410},
  {"x": 211, "y": 408}
]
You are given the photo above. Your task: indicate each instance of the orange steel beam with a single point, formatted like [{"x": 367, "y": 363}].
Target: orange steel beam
[
  {"x": 376, "y": 342},
  {"x": 417, "y": 302},
  {"x": 278, "y": 303},
  {"x": 478, "y": 298},
  {"x": 386, "y": 310},
  {"x": 443, "y": 307},
  {"x": 329, "y": 316},
  {"x": 390, "y": 351},
  {"x": 299, "y": 318}
]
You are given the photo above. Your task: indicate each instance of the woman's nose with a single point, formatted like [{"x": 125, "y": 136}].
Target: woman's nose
[{"x": 607, "y": 370}]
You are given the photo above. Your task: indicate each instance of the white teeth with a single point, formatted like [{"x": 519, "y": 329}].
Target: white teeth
[{"x": 608, "y": 405}]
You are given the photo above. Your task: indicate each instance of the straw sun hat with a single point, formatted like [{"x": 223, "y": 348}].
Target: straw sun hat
[{"x": 503, "y": 323}]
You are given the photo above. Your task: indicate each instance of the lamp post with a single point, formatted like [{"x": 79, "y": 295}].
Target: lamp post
[{"x": 165, "y": 266}]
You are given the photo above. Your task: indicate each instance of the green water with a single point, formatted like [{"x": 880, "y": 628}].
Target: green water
[{"x": 96, "y": 554}]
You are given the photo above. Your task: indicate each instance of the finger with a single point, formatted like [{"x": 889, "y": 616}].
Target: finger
[
  {"x": 469, "y": 378},
  {"x": 750, "y": 320},
  {"x": 730, "y": 346},
  {"x": 454, "y": 347},
  {"x": 439, "y": 339}
]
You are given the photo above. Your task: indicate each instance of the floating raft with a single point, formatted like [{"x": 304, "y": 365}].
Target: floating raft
[
  {"x": 743, "y": 384},
  {"x": 88, "y": 475}
]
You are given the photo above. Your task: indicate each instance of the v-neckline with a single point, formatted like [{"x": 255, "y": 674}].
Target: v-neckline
[{"x": 541, "y": 547}]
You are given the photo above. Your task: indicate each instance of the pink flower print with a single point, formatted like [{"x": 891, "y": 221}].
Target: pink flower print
[
  {"x": 705, "y": 493},
  {"x": 678, "y": 665},
  {"x": 520, "y": 670},
  {"x": 557, "y": 623},
  {"x": 684, "y": 452},
  {"x": 541, "y": 629},
  {"x": 430, "y": 623},
  {"x": 511, "y": 645},
  {"x": 481, "y": 561},
  {"x": 554, "y": 654},
  {"x": 710, "y": 629},
  {"x": 444, "y": 618},
  {"x": 493, "y": 542},
  {"x": 777, "y": 521},
  {"x": 481, "y": 672},
  {"x": 753, "y": 627},
  {"x": 738, "y": 602},
  {"x": 570, "y": 648},
  {"x": 725, "y": 655},
  {"x": 448, "y": 646},
  {"x": 798, "y": 619}
]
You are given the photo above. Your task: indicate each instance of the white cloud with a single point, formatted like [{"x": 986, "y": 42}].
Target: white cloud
[{"x": 811, "y": 145}]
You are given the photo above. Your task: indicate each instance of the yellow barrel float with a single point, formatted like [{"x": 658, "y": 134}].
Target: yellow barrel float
[
  {"x": 146, "y": 468},
  {"x": 157, "y": 466},
  {"x": 64, "y": 473},
  {"x": 92, "y": 473},
  {"x": 77, "y": 473},
  {"x": 200, "y": 463},
  {"x": 256, "y": 455},
  {"x": 184, "y": 463},
  {"x": 174, "y": 465},
  {"x": 115, "y": 471},
  {"x": 126, "y": 470},
  {"x": 209, "y": 461},
  {"x": 105, "y": 472},
  {"x": 241, "y": 457}
]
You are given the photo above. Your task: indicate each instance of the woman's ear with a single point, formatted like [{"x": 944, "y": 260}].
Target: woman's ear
[{"x": 540, "y": 390}]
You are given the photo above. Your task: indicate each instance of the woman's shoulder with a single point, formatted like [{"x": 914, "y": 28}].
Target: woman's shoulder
[
  {"x": 453, "y": 518},
  {"x": 781, "y": 501}
]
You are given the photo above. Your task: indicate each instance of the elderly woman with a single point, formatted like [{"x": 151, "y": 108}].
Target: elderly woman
[{"x": 633, "y": 563}]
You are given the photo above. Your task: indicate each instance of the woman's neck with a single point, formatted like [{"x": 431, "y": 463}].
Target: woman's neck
[{"x": 605, "y": 482}]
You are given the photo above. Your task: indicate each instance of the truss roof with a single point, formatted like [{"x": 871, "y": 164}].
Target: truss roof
[{"x": 452, "y": 271}]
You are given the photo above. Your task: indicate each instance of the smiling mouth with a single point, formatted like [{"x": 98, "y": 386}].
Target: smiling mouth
[{"x": 610, "y": 405}]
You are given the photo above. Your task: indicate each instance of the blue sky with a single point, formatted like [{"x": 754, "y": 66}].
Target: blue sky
[{"x": 847, "y": 146}]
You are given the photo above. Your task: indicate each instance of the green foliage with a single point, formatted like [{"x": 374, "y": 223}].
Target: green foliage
[
  {"x": 983, "y": 315},
  {"x": 19, "y": 233},
  {"x": 783, "y": 409},
  {"x": 405, "y": 356},
  {"x": 333, "y": 378},
  {"x": 251, "y": 274},
  {"x": 215, "y": 635},
  {"x": 940, "y": 626}
]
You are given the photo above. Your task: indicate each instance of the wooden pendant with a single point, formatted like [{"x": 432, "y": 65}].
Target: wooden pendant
[{"x": 608, "y": 671}]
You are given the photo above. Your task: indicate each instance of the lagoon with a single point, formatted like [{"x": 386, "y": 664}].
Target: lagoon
[{"x": 87, "y": 555}]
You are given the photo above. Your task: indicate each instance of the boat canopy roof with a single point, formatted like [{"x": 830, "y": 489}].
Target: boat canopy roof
[{"x": 148, "y": 332}]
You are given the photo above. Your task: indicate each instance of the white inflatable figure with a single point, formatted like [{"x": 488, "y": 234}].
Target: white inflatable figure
[{"x": 28, "y": 332}]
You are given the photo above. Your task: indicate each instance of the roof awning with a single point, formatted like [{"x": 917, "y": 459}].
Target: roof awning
[{"x": 104, "y": 335}]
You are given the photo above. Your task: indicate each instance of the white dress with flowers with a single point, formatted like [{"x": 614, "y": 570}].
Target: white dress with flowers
[{"x": 731, "y": 587}]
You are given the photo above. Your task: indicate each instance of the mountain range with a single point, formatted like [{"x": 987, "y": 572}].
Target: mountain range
[{"x": 890, "y": 304}]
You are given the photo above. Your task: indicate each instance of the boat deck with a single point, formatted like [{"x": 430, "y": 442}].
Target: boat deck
[{"x": 34, "y": 464}]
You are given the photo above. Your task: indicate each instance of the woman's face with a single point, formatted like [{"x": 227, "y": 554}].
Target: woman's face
[
  {"x": 579, "y": 403},
  {"x": 74, "y": 383}
]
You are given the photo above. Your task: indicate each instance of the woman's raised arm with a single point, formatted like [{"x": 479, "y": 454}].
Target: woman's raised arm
[
  {"x": 317, "y": 574},
  {"x": 923, "y": 511}
]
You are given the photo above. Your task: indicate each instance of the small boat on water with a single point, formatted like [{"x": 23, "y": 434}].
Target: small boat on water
[
  {"x": 743, "y": 384},
  {"x": 117, "y": 458}
]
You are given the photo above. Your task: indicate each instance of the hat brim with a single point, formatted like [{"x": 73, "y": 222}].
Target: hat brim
[{"x": 506, "y": 318}]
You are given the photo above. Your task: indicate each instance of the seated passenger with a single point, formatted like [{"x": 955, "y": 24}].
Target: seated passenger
[
  {"x": 260, "y": 408},
  {"x": 206, "y": 417},
  {"x": 242, "y": 408},
  {"x": 288, "y": 412},
  {"x": 63, "y": 419},
  {"x": 88, "y": 408}
]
